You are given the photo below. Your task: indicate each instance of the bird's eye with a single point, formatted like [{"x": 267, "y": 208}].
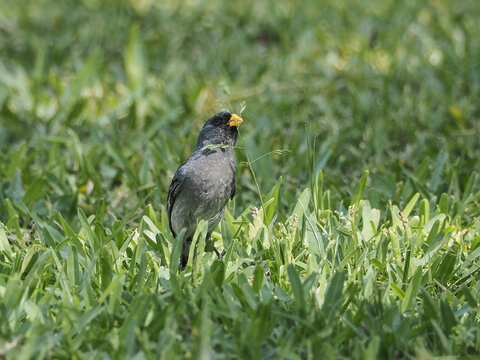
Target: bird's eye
[{"x": 218, "y": 121}]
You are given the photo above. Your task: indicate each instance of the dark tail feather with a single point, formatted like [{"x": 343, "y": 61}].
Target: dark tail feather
[{"x": 185, "y": 252}]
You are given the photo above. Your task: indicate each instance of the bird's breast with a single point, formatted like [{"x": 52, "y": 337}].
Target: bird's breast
[
  {"x": 207, "y": 186},
  {"x": 216, "y": 176}
]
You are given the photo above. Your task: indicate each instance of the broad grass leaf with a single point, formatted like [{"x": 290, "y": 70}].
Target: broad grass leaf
[
  {"x": 370, "y": 220},
  {"x": 198, "y": 237},
  {"x": 446, "y": 268},
  {"x": 333, "y": 295},
  {"x": 258, "y": 278},
  {"x": 448, "y": 318},
  {"x": 272, "y": 200},
  {"x": 424, "y": 210},
  {"x": 4, "y": 245},
  {"x": 217, "y": 271},
  {"x": 297, "y": 289},
  {"x": 411, "y": 204},
  {"x": 176, "y": 252},
  {"x": 100, "y": 211},
  {"x": 360, "y": 190},
  {"x": 93, "y": 239},
  {"x": 412, "y": 289},
  {"x": 302, "y": 205}
]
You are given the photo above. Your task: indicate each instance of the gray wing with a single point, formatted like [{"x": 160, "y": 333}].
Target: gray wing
[
  {"x": 234, "y": 181},
  {"x": 175, "y": 186},
  {"x": 232, "y": 192}
]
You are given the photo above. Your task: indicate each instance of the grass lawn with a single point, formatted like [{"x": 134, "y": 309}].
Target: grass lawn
[{"x": 355, "y": 229}]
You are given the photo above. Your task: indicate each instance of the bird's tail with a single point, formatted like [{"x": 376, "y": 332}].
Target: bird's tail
[{"x": 185, "y": 252}]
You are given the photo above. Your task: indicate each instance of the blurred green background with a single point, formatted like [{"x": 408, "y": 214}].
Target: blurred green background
[{"x": 106, "y": 98}]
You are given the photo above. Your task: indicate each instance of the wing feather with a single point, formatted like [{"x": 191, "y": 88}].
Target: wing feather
[
  {"x": 234, "y": 180},
  {"x": 172, "y": 194}
]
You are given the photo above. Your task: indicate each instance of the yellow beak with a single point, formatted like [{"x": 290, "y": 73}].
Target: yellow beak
[{"x": 235, "y": 120}]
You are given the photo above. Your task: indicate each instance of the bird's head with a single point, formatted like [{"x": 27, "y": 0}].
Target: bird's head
[{"x": 220, "y": 129}]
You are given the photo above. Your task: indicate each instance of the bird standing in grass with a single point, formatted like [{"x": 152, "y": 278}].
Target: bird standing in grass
[{"x": 202, "y": 186}]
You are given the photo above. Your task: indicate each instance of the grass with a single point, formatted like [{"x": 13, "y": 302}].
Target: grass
[{"x": 355, "y": 230}]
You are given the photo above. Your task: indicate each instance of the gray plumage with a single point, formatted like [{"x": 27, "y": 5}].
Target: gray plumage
[{"x": 202, "y": 186}]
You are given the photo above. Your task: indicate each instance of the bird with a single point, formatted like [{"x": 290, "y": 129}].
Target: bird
[{"x": 203, "y": 185}]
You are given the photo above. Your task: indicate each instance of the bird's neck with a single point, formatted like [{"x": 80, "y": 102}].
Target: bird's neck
[
  {"x": 214, "y": 142},
  {"x": 209, "y": 144}
]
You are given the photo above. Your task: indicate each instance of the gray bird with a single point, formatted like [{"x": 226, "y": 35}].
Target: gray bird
[{"x": 202, "y": 186}]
